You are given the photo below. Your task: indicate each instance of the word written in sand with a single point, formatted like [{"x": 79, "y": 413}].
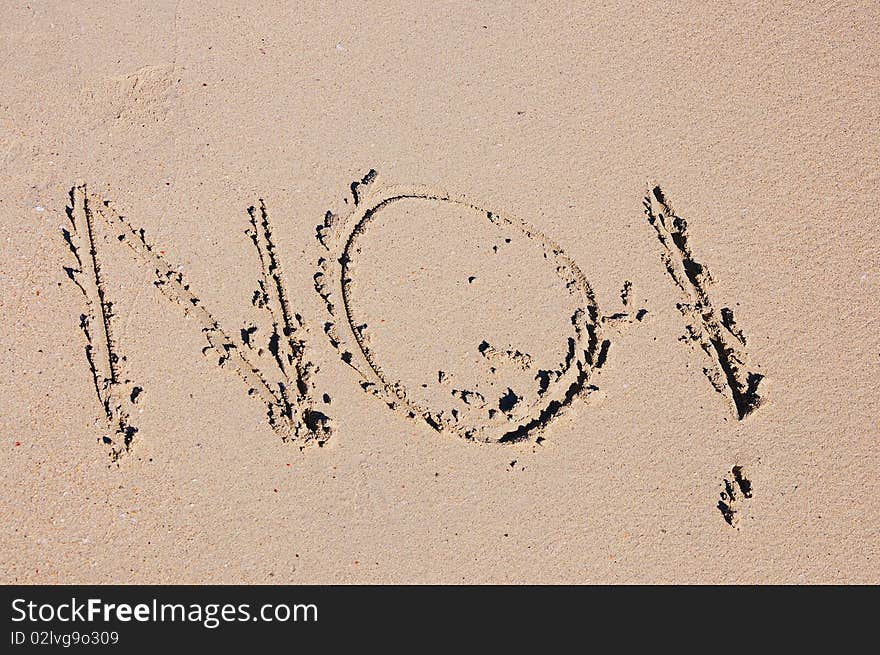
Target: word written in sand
[{"x": 495, "y": 381}]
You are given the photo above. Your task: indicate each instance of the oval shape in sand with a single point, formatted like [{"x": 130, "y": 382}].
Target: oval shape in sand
[{"x": 473, "y": 321}]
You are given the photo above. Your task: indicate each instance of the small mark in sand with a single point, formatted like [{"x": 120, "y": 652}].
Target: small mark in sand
[
  {"x": 732, "y": 493},
  {"x": 508, "y": 401},
  {"x": 511, "y": 355}
]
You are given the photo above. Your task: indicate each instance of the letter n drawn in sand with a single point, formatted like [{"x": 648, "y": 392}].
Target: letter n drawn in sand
[{"x": 289, "y": 398}]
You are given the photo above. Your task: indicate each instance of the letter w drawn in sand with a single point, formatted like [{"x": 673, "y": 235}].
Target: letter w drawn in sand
[{"x": 288, "y": 401}]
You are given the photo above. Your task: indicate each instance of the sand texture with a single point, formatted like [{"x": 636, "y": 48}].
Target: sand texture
[{"x": 439, "y": 292}]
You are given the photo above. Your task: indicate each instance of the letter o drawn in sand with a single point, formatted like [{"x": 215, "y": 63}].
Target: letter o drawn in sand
[{"x": 469, "y": 320}]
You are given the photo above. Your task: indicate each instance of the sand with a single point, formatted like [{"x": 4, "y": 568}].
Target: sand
[{"x": 440, "y": 292}]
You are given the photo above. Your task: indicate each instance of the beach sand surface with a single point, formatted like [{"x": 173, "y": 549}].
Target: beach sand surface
[{"x": 175, "y": 400}]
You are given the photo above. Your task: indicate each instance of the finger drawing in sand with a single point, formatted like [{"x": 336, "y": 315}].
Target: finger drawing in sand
[
  {"x": 402, "y": 271},
  {"x": 115, "y": 394},
  {"x": 509, "y": 378},
  {"x": 736, "y": 488},
  {"x": 274, "y": 370},
  {"x": 324, "y": 293},
  {"x": 716, "y": 333}
]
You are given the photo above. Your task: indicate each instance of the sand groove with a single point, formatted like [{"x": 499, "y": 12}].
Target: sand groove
[
  {"x": 501, "y": 419},
  {"x": 289, "y": 404},
  {"x": 288, "y": 340},
  {"x": 715, "y": 332},
  {"x": 102, "y": 351}
]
